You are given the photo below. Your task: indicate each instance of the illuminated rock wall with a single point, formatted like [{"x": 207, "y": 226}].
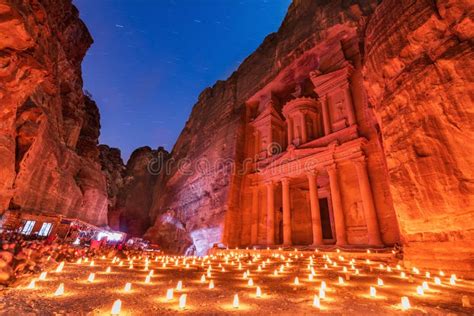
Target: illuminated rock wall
[
  {"x": 48, "y": 128},
  {"x": 419, "y": 77}
]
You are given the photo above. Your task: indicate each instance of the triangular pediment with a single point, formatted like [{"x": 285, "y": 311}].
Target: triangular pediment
[
  {"x": 323, "y": 83},
  {"x": 267, "y": 115}
]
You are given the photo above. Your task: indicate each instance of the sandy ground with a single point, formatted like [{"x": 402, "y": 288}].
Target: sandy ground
[{"x": 280, "y": 295}]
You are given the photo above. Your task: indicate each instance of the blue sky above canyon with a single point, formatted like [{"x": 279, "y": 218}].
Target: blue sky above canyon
[{"x": 151, "y": 59}]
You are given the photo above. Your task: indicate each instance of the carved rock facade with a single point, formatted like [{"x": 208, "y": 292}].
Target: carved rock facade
[{"x": 375, "y": 96}]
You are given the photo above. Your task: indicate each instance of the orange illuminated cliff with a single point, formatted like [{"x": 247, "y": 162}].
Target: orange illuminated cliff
[{"x": 375, "y": 97}]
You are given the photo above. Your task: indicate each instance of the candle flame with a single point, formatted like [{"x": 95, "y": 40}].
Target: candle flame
[
  {"x": 60, "y": 290},
  {"x": 43, "y": 276},
  {"x": 419, "y": 290},
  {"x": 116, "y": 307},
  {"x": 235, "y": 304},
  {"x": 182, "y": 301},
  {"x": 373, "y": 291},
  {"x": 169, "y": 294},
  {"x": 60, "y": 267},
  {"x": 405, "y": 303},
  {"x": 31, "y": 285},
  {"x": 250, "y": 282},
  {"x": 322, "y": 293},
  {"x": 316, "y": 302},
  {"x": 297, "y": 281},
  {"x": 91, "y": 277}
]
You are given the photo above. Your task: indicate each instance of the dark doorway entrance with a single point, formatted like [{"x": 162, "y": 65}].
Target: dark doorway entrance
[{"x": 325, "y": 218}]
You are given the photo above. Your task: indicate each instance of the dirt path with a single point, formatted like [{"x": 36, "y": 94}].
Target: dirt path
[{"x": 280, "y": 294}]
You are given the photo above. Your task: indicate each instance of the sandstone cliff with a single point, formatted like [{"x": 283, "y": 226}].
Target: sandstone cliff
[
  {"x": 48, "y": 128},
  {"x": 131, "y": 187},
  {"x": 419, "y": 78},
  {"x": 114, "y": 170}
]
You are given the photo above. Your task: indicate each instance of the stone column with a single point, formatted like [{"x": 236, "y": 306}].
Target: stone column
[
  {"x": 315, "y": 127},
  {"x": 270, "y": 214},
  {"x": 341, "y": 238},
  {"x": 304, "y": 131},
  {"x": 257, "y": 143},
  {"x": 286, "y": 212},
  {"x": 315, "y": 212},
  {"x": 270, "y": 141},
  {"x": 368, "y": 202},
  {"x": 254, "y": 227},
  {"x": 349, "y": 106},
  {"x": 290, "y": 131},
  {"x": 326, "y": 121}
]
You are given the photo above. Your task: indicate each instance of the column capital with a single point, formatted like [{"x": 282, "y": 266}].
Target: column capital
[
  {"x": 285, "y": 180},
  {"x": 269, "y": 183},
  {"x": 360, "y": 161},
  {"x": 332, "y": 167},
  {"x": 312, "y": 173}
]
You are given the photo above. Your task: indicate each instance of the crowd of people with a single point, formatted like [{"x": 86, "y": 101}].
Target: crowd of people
[{"x": 21, "y": 255}]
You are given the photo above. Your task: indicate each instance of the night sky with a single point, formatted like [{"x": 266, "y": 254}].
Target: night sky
[{"x": 151, "y": 59}]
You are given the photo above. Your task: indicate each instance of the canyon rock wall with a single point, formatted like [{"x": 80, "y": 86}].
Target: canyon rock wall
[
  {"x": 48, "y": 128},
  {"x": 131, "y": 187},
  {"x": 114, "y": 170},
  {"x": 419, "y": 78}
]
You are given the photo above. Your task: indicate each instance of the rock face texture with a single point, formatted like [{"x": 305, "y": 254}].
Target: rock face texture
[
  {"x": 48, "y": 128},
  {"x": 114, "y": 169},
  {"x": 419, "y": 78},
  {"x": 131, "y": 187},
  {"x": 413, "y": 68}
]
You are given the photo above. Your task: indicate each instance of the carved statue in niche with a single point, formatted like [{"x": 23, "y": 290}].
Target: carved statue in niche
[
  {"x": 298, "y": 91},
  {"x": 355, "y": 215},
  {"x": 340, "y": 110}
]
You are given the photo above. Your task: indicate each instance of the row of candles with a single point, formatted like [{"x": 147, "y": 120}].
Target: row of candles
[{"x": 233, "y": 259}]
